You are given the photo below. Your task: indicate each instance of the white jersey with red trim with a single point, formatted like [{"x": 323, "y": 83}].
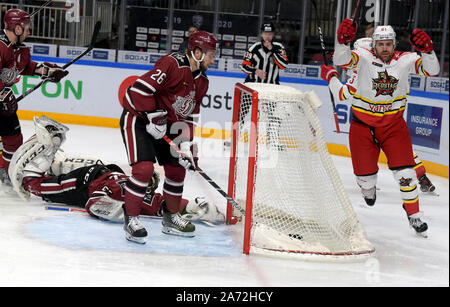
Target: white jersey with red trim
[{"x": 380, "y": 89}]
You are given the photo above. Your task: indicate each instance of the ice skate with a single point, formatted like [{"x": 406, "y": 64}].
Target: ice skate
[
  {"x": 134, "y": 231},
  {"x": 174, "y": 224},
  {"x": 426, "y": 186},
  {"x": 6, "y": 187},
  {"x": 419, "y": 226},
  {"x": 5, "y": 182},
  {"x": 369, "y": 195}
]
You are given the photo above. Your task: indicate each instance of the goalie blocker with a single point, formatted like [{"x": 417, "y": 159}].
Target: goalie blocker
[{"x": 41, "y": 168}]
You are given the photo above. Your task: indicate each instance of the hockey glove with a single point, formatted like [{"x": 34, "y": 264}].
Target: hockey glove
[
  {"x": 188, "y": 156},
  {"x": 328, "y": 72},
  {"x": 8, "y": 103},
  {"x": 52, "y": 72},
  {"x": 346, "y": 31},
  {"x": 421, "y": 41},
  {"x": 158, "y": 124}
]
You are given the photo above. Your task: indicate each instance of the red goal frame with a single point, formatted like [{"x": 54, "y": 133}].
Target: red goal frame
[{"x": 253, "y": 142}]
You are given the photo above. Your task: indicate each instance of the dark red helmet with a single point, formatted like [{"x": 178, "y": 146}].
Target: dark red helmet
[
  {"x": 16, "y": 17},
  {"x": 202, "y": 40}
]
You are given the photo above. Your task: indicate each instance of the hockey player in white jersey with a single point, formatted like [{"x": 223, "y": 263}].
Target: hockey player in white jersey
[
  {"x": 344, "y": 92},
  {"x": 379, "y": 100}
]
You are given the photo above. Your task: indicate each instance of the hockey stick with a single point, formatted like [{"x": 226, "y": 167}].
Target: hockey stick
[
  {"x": 70, "y": 209},
  {"x": 206, "y": 177},
  {"x": 41, "y": 8},
  {"x": 56, "y": 208},
  {"x": 91, "y": 46},
  {"x": 322, "y": 45},
  {"x": 355, "y": 11}
]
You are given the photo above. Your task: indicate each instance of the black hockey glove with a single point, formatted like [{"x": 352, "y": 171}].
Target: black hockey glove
[{"x": 8, "y": 103}]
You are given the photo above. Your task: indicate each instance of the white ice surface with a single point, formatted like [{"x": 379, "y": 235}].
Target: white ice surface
[{"x": 39, "y": 247}]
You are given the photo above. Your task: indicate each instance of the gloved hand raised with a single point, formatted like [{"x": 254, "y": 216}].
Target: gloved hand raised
[
  {"x": 421, "y": 41},
  {"x": 346, "y": 31}
]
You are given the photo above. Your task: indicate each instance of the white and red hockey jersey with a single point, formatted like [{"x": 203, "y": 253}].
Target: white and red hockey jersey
[{"x": 379, "y": 89}]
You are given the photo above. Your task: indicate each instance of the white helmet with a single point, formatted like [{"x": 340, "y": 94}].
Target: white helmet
[
  {"x": 383, "y": 33},
  {"x": 365, "y": 42}
]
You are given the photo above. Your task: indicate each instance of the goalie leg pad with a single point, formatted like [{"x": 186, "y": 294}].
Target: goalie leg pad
[
  {"x": 49, "y": 132},
  {"x": 64, "y": 164},
  {"x": 32, "y": 159}
]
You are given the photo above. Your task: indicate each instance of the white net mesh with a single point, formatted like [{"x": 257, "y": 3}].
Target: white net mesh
[{"x": 299, "y": 203}]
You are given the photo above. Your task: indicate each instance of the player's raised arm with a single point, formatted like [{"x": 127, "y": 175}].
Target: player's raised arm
[
  {"x": 428, "y": 64},
  {"x": 343, "y": 56}
]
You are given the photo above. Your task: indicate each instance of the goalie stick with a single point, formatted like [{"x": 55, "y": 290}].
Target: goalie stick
[
  {"x": 79, "y": 210},
  {"x": 90, "y": 47},
  {"x": 207, "y": 178},
  {"x": 322, "y": 45}
]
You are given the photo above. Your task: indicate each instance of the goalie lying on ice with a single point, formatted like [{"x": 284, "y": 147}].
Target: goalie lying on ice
[{"x": 39, "y": 167}]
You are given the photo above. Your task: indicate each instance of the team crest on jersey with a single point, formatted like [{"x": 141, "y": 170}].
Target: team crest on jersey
[
  {"x": 384, "y": 84},
  {"x": 184, "y": 106},
  {"x": 9, "y": 75}
]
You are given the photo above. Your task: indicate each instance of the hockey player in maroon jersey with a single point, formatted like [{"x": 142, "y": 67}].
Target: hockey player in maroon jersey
[
  {"x": 40, "y": 168},
  {"x": 165, "y": 99},
  {"x": 15, "y": 61}
]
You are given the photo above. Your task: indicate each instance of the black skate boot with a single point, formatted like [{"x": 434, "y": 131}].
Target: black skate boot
[
  {"x": 174, "y": 224},
  {"x": 369, "y": 195},
  {"x": 134, "y": 231},
  {"x": 416, "y": 223},
  {"x": 425, "y": 184}
]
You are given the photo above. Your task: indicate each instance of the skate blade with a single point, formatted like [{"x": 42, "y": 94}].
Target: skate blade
[
  {"x": 140, "y": 240},
  {"x": 431, "y": 193},
  {"x": 422, "y": 234},
  {"x": 174, "y": 232}
]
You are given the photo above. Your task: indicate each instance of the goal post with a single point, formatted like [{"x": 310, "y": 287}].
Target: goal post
[{"x": 280, "y": 171}]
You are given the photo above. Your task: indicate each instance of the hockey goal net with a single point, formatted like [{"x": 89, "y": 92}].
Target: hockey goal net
[{"x": 282, "y": 174}]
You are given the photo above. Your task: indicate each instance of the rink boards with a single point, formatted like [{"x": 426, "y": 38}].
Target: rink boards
[{"x": 89, "y": 95}]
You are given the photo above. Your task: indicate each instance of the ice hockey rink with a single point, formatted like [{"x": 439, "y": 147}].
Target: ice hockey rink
[{"x": 40, "y": 247}]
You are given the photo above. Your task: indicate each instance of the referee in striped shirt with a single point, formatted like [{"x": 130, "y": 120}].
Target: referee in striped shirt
[{"x": 264, "y": 59}]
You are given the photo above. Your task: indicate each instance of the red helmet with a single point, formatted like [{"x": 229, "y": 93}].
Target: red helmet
[
  {"x": 16, "y": 17},
  {"x": 202, "y": 40}
]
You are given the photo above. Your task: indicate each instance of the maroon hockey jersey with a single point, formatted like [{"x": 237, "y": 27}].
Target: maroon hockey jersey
[{"x": 170, "y": 85}]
